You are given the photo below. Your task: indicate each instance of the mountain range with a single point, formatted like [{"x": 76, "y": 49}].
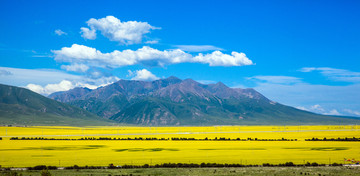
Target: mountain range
[
  {"x": 19, "y": 106},
  {"x": 173, "y": 101}
]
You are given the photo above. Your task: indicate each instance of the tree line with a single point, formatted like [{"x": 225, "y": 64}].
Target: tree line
[
  {"x": 186, "y": 139},
  {"x": 334, "y": 139}
]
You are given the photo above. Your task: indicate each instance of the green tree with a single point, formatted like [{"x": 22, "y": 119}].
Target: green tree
[{"x": 45, "y": 173}]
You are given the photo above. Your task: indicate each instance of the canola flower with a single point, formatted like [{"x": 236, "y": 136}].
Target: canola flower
[{"x": 24, "y": 153}]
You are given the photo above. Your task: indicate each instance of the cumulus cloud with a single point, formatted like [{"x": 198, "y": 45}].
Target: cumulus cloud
[
  {"x": 75, "y": 67},
  {"x": 59, "y": 32},
  {"x": 317, "y": 108},
  {"x": 335, "y": 74},
  {"x": 50, "y": 88},
  {"x": 332, "y": 112},
  {"x": 65, "y": 85},
  {"x": 302, "y": 108},
  {"x": 88, "y": 33},
  {"x": 198, "y": 48},
  {"x": 46, "y": 81},
  {"x": 129, "y": 32},
  {"x": 142, "y": 75},
  {"x": 217, "y": 58},
  {"x": 146, "y": 56}
]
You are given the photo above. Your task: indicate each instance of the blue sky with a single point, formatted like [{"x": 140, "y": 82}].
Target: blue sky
[{"x": 299, "y": 53}]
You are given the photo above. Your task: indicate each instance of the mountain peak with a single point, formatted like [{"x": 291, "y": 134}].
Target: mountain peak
[
  {"x": 221, "y": 85},
  {"x": 172, "y": 78},
  {"x": 188, "y": 80}
]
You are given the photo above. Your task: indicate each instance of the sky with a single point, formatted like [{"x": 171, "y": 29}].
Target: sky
[{"x": 304, "y": 54}]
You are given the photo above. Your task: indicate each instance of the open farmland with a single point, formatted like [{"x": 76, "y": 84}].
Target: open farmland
[{"x": 290, "y": 145}]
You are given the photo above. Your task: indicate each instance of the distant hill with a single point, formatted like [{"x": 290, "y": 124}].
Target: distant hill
[
  {"x": 173, "y": 101},
  {"x": 19, "y": 106}
]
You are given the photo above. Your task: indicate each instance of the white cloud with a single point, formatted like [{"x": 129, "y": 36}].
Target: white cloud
[
  {"x": 66, "y": 85},
  {"x": 93, "y": 83},
  {"x": 335, "y": 74},
  {"x": 88, "y": 33},
  {"x": 152, "y": 42},
  {"x": 60, "y": 32},
  {"x": 50, "y": 88},
  {"x": 332, "y": 112},
  {"x": 198, "y": 48},
  {"x": 130, "y": 32},
  {"x": 142, "y": 75},
  {"x": 48, "y": 81},
  {"x": 75, "y": 67},
  {"x": 320, "y": 110},
  {"x": 217, "y": 58},
  {"x": 351, "y": 112},
  {"x": 146, "y": 56},
  {"x": 317, "y": 108},
  {"x": 35, "y": 88},
  {"x": 79, "y": 52},
  {"x": 302, "y": 108}
]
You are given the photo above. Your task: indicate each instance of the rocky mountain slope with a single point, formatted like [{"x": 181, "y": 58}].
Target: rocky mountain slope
[{"x": 173, "y": 101}]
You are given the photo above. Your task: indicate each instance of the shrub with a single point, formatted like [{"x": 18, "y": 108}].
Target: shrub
[
  {"x": 111, "y": 166},
  {"x": 45, "y": 173},
  {"x": 336, "y": 164},
  {"x": 40, "y": 167},
  {"x": 289, "y": 164},
  {"x": 314, "y": 164}
]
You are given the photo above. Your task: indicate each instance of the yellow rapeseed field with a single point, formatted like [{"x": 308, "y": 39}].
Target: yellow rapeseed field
[{"x": 23, "y": 153}]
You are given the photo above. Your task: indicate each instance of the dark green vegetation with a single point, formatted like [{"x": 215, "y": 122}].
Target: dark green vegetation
[
  {"x": 252, "y": 171},
  {"x": 318, "y": 148},
  {"x": 154, "y": 139},
  {"x": 146, "y": 150},
  {"x": 335, "y": 139},
  {"x": 19, "y": 106},
  {"x": 173, "y": 101}
]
